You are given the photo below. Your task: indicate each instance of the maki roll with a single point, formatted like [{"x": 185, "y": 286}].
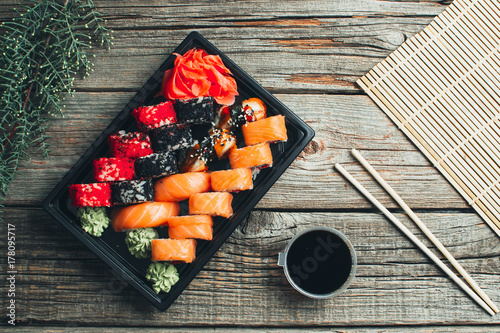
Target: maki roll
[
  {"x": 223, "y": 141},
  {"x": 190, "y": 226},
  {"x": 233, "y": 180},
  {"x": 144, "y": 215},
  {"x": 181, "y": 186},
  {"x": 196, "y": 158},
  {"x": 171, "y": 137},
  {"x": 156, "y": 165},
  {"x": 132, "y": 192},
  {"x": 168, "y": 249},
  {"x": 154, "y": 116},
  {"x": 129, "y": 145},
  {"x": 195, "y": 111},
  {"x": 109, "y": 169},
  {"x": 211, "y": 203},
  {"x": 270, "y": 129},
  {"x": 90, "y": 195},
  {"x": 257, "y": 156},
  {"x": 249, "y": 110}
]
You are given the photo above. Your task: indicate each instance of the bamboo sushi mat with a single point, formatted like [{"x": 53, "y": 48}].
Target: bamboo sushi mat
[{"x": 442, "y": 89}]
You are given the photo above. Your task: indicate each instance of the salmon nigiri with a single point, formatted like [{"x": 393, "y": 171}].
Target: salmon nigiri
[
  {"x": 144, "y": 215},
  {"x": 181, "y": 186},
  {"x": 211, "y": 203},
  {"x": 232, "y": 180},
  {"x": 258, "y": 156},
  {"x": 270, "y": 129},
  {"x": 173, "y": 250}
]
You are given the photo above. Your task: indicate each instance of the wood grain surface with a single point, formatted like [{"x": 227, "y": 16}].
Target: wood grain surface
[{"x": 309, "y": 54}]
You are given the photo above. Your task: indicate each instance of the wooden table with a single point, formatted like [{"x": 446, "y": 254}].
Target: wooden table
[{"x": 309, "y": 54}]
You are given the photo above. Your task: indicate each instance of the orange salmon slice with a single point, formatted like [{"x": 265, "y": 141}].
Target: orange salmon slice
[
  {"x": 181, "y": 186},
  {"x": 144, "y": 215},
  {"x": 211, "y": 203},
  {"x": 232, "y": 180},
  {"x": 189, "y": 220},
  {"x": 168, "y": 249},
  {"x": 198, "y": 231},
  {"x": 271, "y": 129},
  {"x": 256, "y": 156}
]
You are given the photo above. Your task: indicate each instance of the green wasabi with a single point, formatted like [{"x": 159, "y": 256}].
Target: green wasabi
[
  {"x": 162, "y": 275},
  {"x": 93, "y": 219},
  {"x": 139, "y": 241}
]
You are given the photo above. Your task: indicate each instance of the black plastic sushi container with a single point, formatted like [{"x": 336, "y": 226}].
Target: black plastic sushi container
[{"x": 110, "y": 246}]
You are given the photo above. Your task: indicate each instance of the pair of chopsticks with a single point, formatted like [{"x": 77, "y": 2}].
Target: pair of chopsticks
[{"x": 484, "y": 300}]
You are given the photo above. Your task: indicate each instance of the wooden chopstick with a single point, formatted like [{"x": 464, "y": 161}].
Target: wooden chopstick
[
  {"x": 424, "y": 228},
  {"x": 413, "y": 238}
]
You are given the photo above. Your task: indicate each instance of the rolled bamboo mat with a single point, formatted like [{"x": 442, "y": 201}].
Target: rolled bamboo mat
[{"x": 442, "y": 89}]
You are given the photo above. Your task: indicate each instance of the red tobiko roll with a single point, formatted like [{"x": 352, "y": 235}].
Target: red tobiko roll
[
  {"x": 199, "y": 74},
  {"x": 129, "y": 145},
  {"x": 109, "y": 169},
  {"x": 90, "y": 195},
  {"x": 154, "y": 116}
]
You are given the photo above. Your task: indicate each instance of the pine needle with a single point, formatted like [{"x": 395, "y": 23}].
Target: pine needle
[{"x": 43, "y": 50}]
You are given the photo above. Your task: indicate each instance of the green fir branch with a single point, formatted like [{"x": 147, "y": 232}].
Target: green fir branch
[{"x": 43, "y": 50}]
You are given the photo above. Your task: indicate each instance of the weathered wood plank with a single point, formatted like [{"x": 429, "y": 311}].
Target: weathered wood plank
[
  {"x": 408, "y": 329},
  {"x": 341, "y": 123},
  {"x": 313, "y": 58},
  {"x": 60, "y": 281},
  {"x": 290, "y": 46}
]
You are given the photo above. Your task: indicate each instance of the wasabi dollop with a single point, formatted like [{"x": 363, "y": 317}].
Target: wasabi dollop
[
  {"x": 93, "y": 219},
  {"x": 162, "y": 275},
  {"x": 139, "y": 241}
]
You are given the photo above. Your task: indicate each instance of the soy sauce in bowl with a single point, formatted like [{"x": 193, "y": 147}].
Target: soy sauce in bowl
[{"x": 319, "y": 262}]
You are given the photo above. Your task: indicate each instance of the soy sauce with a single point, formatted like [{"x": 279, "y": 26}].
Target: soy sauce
[{"x": 319, "y": 262}]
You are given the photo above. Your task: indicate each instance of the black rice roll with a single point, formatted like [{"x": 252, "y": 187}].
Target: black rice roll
[
  {"x": 171, "y": 137},
  {"x": 132, "y": 191},
  {"x": 156, "y": 165},
  {"x": 195, "y": 111}
]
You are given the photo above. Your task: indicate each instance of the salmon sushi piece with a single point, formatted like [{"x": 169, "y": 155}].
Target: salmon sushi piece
[
  {"x": 189, "y": 220},
  {"x": 232, "y": 180},
  {"x": 144, "y": 215},
  {"x": 196, "y": 231},
  {"x": 181, "y": 186},
  {"x": 256, "y": 156},
  {"x": 211, "y": 203},
  {"x": 168, "y": 249},
  {"x": 190, "y": 226},
  {"x": 271, "y": 129}
]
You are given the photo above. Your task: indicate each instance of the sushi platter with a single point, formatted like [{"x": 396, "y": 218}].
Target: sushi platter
[{"x": 235, "y": 179}]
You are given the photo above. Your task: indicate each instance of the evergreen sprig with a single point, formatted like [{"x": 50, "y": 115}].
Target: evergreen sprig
[{"x": 43, "y": 50}]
